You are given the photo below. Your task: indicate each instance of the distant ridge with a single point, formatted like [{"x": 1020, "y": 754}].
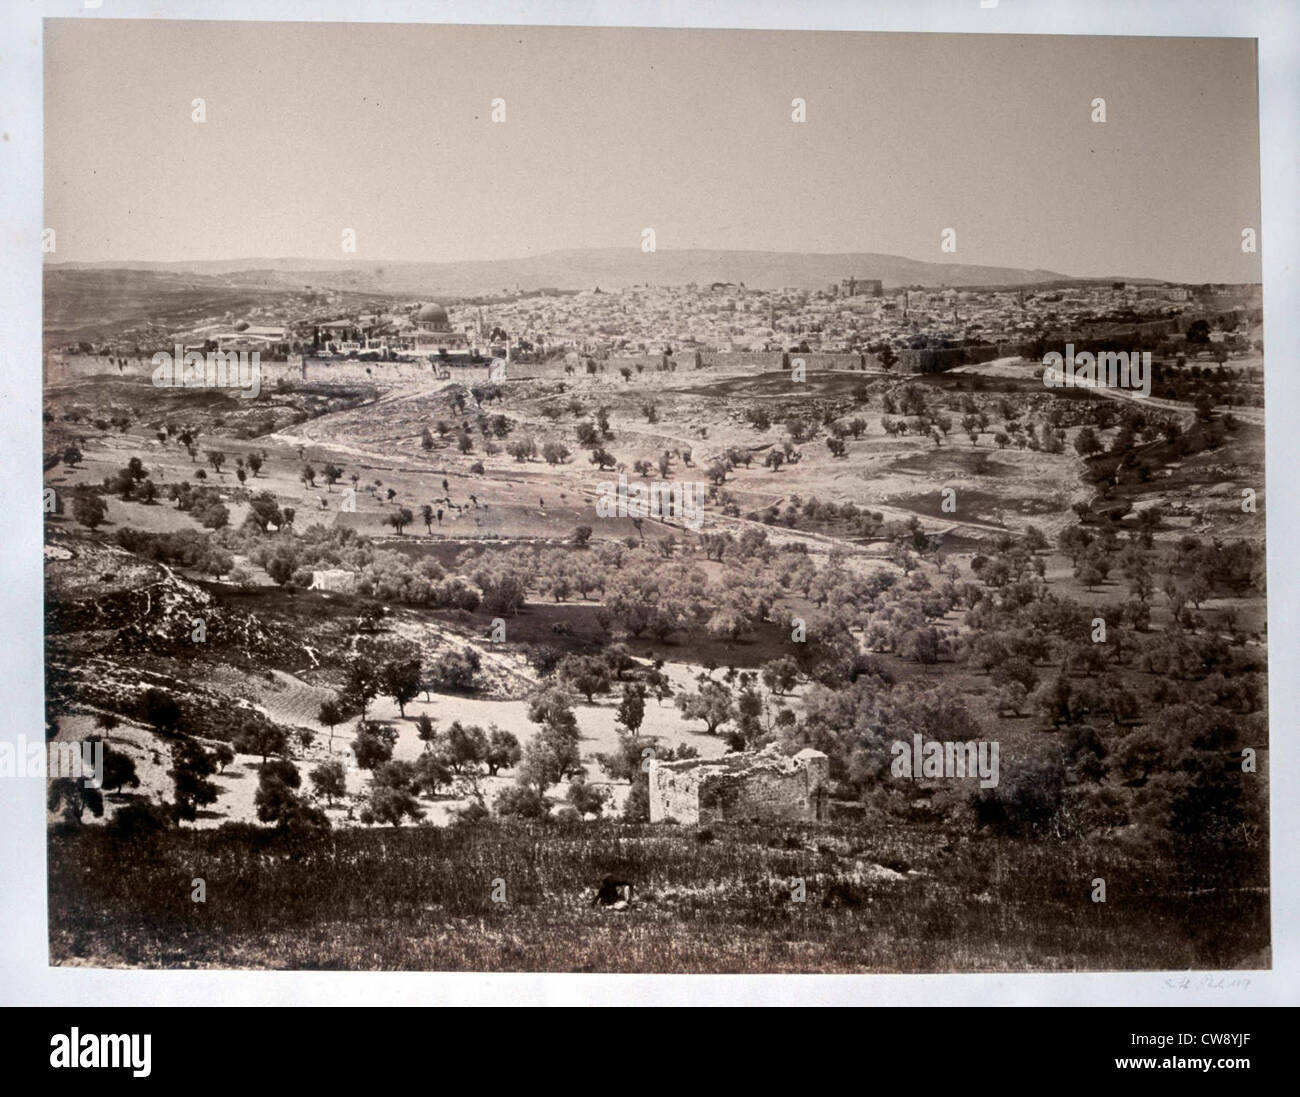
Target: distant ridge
[{"x": 584, "y": 269}]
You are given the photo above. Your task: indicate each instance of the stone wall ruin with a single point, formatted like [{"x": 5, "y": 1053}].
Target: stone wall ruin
[{"x": 766, "y": 786}]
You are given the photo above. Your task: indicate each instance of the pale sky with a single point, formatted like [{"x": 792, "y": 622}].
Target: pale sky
[{"x": 386, "y": 129}]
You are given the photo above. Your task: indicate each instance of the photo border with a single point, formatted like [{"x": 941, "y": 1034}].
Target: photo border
[{"x": 27, "y": 977}]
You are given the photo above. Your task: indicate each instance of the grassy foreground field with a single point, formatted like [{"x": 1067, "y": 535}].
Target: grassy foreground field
[{"x": 897, "y": 897}]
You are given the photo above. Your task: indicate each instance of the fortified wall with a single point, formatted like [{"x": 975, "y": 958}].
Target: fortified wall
[{"x": 754, "y": 787}]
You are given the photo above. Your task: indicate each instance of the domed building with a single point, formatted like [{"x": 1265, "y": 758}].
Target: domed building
[
  {"x": 433, "y": 333},
  {"x": 432, "y": 317}
]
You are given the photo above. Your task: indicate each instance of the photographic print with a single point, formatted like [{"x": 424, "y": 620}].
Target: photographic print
[{"x": 572, "y": 499}]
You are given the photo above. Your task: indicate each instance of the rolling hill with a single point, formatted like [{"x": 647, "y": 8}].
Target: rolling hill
[{"x": 609, "y": 268}]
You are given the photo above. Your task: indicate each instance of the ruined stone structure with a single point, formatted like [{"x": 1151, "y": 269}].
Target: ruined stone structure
[
  {"x": 753, "y": 787},
  {"x": 338, "y": 580}
]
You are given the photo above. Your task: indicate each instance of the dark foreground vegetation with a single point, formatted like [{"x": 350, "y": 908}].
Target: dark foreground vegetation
[{"x": 898, "y": 898}]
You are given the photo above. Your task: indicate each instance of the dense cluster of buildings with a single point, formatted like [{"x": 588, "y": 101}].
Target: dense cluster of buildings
[
  {"x": 855, "y": 315},
  {"x": 424, "y": 331}
]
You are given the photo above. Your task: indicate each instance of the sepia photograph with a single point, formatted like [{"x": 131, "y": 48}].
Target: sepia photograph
[{"x": 591, "y": 499}]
